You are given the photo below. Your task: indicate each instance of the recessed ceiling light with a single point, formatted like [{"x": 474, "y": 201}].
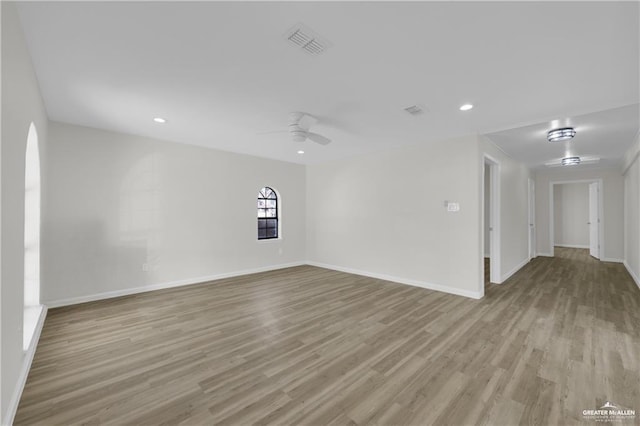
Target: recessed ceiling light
[
  {"x": 160, "y": 120},
  {"x": 301, "y": 152},
  {"x": 466, "y": 107},
  {"x": 559, "y": 135},
  {"x": 570, "y": 161}
]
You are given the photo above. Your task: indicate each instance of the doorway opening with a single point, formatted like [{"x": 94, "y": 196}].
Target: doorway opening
[
  {"x": 491, "y": 221},
  {"x": 576, "y": 215}
]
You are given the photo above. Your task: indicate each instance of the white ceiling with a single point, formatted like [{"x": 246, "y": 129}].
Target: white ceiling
[
  {"x": 606, "y": 135},
  {"x": 221, "y": 73}
]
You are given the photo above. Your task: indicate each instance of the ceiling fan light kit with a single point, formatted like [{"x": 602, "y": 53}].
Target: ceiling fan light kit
[{"x": 298, "y": 135}]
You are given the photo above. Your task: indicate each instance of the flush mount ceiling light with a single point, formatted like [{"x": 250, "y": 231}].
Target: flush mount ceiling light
[
  {"x": 301, "y": 152},
  {"x": 160, "y": 120},
  {"x": 583, "y": 160},
  {"x": 570, "y": 161},
  {"x": 559, "y": 135},
  {"x": 466, "y": 107}
]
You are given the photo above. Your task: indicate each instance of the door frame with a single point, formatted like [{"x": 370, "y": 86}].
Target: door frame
[
  {"x": 590, "y": 200},
  {"x": 495, "y": 276},
  {"x": 600, "y": 211},
  {"x": 531, "y": 192}
]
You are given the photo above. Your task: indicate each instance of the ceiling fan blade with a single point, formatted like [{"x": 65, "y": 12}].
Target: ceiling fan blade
[
  {"x": 318, "y": 138},
  {"x": 272, "y": 132}
]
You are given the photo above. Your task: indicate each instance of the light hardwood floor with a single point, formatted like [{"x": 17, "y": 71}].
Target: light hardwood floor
[{"x": 311, "y": 346}]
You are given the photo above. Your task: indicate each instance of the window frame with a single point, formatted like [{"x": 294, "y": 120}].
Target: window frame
[{"x": 267, "y": 194}]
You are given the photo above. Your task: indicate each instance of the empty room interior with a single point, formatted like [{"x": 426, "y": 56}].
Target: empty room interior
[{"x": 320, "y": 213}]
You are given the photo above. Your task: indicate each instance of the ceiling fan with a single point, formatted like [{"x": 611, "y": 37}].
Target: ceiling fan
[{"x": 299, "y": 125}]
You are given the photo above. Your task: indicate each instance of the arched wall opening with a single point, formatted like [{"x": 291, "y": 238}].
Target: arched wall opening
[{"x": 31, "y": 237}]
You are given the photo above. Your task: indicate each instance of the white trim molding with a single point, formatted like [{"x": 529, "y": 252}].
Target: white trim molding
[
  {"x": 633, "y": 275},
  {"x": 200, "y": 280},
  {"x": 578, "y": 246},
  {"x": 611, "y": 259},
  {"x": 515, "y": 269},
  {"x": 495, "y": 221},
  {"x": 399, "y": 280},
  {"x": 165, "y": 285},
  {"x": 12, "y": 407},
  {"x": 544, "y": 254}
]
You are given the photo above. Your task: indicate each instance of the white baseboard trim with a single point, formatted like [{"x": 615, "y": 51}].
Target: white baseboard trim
[
  {"x": 544, "y": 254},
  {"x": 161, "y": 286},
  {"x": 633, "y": 274},
  {"x": 415, "y": 283},
  {"x": 611, "y": 259},
  {"x": 12, "y": 407},
  {"x": 578, "y": 246},
  {"x": 514, "y": 270}
]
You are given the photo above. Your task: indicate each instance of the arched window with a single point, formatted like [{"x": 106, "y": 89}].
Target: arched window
[
  {"x": 267, "y": 214},
  {"x": 31, "y": 236}
]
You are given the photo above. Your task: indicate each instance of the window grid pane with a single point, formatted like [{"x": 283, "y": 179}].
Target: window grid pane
[{"x": 267, "y": 214}]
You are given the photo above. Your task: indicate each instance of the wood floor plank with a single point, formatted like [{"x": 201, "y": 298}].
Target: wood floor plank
[{"x": 312, "y": 346}]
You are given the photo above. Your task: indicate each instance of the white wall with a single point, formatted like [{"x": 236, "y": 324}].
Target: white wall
[
  {"x": 571, "y": 214},
  {"x": 632, "y": 211},
  {"x": 514, "y": 217},
  {"x": 119, "y": 204},
  {"x": 21, "y": 105},
  {"x": 612, "y": 248},
  {"x": 384, "y": 215}
]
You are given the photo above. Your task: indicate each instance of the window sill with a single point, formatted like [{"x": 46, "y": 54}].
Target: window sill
[
  {"x": 267, "y": 240},
  {"x": 31, "y": 317}
]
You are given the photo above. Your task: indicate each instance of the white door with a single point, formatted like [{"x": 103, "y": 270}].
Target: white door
[
  {"x": 594, "y": 221},
  {"x": 532, "y": 223}
]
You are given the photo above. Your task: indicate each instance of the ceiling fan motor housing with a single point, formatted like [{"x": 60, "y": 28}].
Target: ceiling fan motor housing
[{"x": 298, "y": 135}]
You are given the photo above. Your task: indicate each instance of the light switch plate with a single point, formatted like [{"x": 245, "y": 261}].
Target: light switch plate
[{"x": 453, "y": 207}]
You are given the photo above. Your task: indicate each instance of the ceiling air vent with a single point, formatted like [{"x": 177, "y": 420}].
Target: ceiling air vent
[
  {"x": 414, "y": 110},
  {"x": 306, "y": 39}
]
